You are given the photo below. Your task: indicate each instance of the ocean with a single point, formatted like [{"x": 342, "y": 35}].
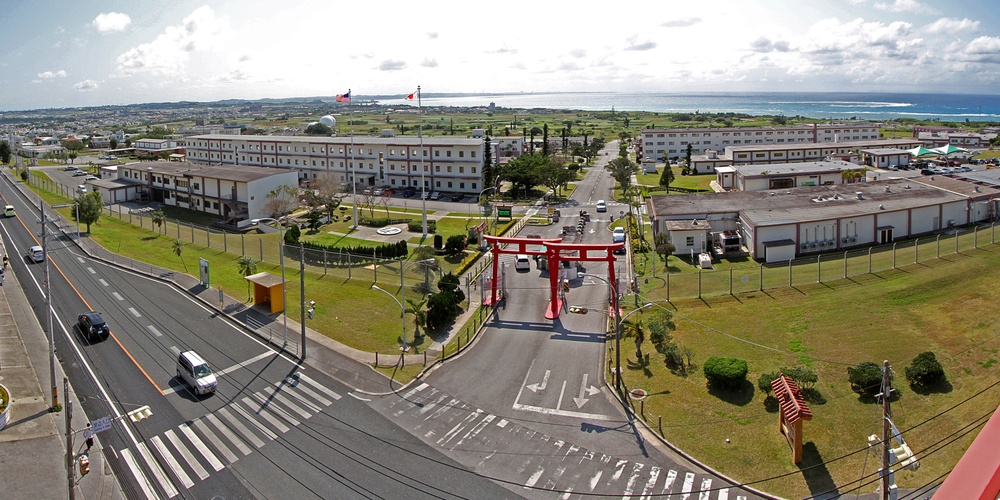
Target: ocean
[{"x": 831, "y": 105}]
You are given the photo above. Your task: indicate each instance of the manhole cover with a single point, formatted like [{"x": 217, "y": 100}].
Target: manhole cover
[
  {"x": 637, "y": 394},
  {"x": 388, "y": 230}
]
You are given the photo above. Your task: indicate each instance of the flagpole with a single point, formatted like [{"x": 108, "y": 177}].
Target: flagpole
[
  {"x": 420, "y": 134},
  {"x": 354, "y": 178}
]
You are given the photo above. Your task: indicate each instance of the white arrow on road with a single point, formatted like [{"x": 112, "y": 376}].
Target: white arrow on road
[
  {"x": 591, "y": 230},
  {"x": 585, "y": 390},
  {"x": 540, "y": 387}
]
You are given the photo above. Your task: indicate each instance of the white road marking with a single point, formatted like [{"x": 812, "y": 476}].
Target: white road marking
[
  {"x": 534, "y": 478},
  {"x": 706, "y": 485},
  {"x": 561, "y": 393},
  {"x": 273, "y": 393},
  {"x": 540, "y": 387},
  {"x": 619, "y": 468},
  {"x": 671, "y": 477},
  {"x": 632, "y": 479},
  {"x": 216, "y": 442},
  {"x": 245, "y": 363},
  {"x": 201, "y": 447},
  {"x": 249, "y": 436},
  {"x": 153, "y": 329},
  {"x": 266, "y": 415},
  {"x": 359, "y": 398},
  {"x": 158, "y": 472},
  {"x": 309, "y": 392},
  {"x": 596, "y": 479},
  {"x": 239, "y": 409},
  {"x": 688, "y": 483},
  {"x": 135, "y": 313},
  {"x": 172, "y": 462},
  {"x": 654, "y": 474},
  {"x": 102, "y": 282},
  {"x": 291, "y": 392},
  {"x": 269, "y": 405},
  {"x": 324, "y": 389},
  {"x": 561, "y": 413},
  {"x": 187, "y": 455},
  {"x": 724, "y": 494},
  {"x": 134, "y": 467},
  {"x": 92, "y": 271},
  {"x": 117, "y": 296}
]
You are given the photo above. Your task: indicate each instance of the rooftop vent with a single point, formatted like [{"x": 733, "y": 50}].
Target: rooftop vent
[
  {"x": 906, "y": 186},
  {"x": 860, "y": 195},
  {"x": 887, "y": 190},
  {"x": 976, "y": 188},
  {"x": 881, "y": 207}
]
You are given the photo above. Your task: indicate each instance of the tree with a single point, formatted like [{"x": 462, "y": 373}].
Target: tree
[
  {"x": 664, "y": 248},
  {"x": 764, "y": 382},
  {"x": 802, "y": 376},
  {"x": 667, "y": 176},
  {"x": 114, "y": 143},
  {"x": 925, "y": 370},
  {"x": 866, "y": 378},
  {"x": 281, "y": 201},
  {"x": 246, "y": 266},
  {"x": 292, "y": 235},
  {"x": 90, "y": 207},
  {"x": 521, "y": 172},
  {"x": 621, "y": 169},
  {"x": 455, "y": 244},
  {"x": 4, "y": 152},
  {"x": 178, "y": 248},
  {"x": 545, "y": 139},
  {"x": 635, "y": 328},
  {"x": 318, "y": 129},
  {"x": 687, "y": 156},
  {"x": 445, "y": 305},
  {"x": 159, "y": 219},
  {"x": 725, "y": 373},
  {"x": 416, "y": 308},
  {"x": 553, "y": 174},
  {"x": 315, "y": 217}
]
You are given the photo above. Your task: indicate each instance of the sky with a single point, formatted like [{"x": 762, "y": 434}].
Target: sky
[{"x": 69, "y": 53}]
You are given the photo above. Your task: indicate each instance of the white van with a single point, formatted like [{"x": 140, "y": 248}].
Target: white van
[
  {"x": 195, "y": 372},
  {"x": 601, "y": 206},
  {"x": 8, "y": 211}
]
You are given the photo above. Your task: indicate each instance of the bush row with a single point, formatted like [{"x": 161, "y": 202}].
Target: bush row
[{"x": 384, "y": 251}]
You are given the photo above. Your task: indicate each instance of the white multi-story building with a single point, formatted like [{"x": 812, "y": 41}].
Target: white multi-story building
[
  {"x": 442, "y": 164},
  {"x": 659, "y": 144}
]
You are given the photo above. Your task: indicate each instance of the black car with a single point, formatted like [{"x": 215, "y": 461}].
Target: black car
[
  {"x": 92, "y": 325},
  {"x": 457, "y": 197}
]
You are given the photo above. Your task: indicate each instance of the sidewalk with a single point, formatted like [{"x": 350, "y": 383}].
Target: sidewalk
[{"x": 33, "y": 444}]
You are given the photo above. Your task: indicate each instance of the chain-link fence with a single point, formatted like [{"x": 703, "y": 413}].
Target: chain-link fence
[{"x": 820, "y": 268}]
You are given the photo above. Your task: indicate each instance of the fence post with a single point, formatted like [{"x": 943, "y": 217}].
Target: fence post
[
  {"x": 956, "y": 241},
  {"x": 699, "y": 282},
  {"x": 789, "y": 272},
  {"x": 225, "y": 242},
  {"x": 243, "y": 248},
  {"x": 845, "y": 264},
  {"x": 350, "y": 265},
  {"x": 819, "y": 269},
  {"x": 260, "y": 242},
  {"x": 894, "y": 256},
  {"x": 937, "y": 254},
  {"x": 975, "y": 237},
  {"x": 761, "y": 279},
  {"x": 730, "y": 281},
  {"x": 208, "y": 238},
  {"x": 668, "y": 285},
  {"x": 324, "y": 261},
  {"x": 916, "y": 251},
  {"x": 192, "y": 231}
]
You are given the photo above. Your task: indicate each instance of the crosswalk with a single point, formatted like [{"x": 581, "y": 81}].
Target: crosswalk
[
  {"x": 534, "y": 464},
  {"x": 192, "y": 451}
]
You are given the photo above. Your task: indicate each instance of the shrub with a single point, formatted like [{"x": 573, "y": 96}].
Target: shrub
[
  {"x": 764, "y": 381},
  {"x": 417, "y": 225},
  {"x": 455, "y": 244},
  {"x": 925, "y": 370},
  {"x": 803, "y": 377},
  {"x": 866, "y": 378},
  {"x": 725, "y": 373}
]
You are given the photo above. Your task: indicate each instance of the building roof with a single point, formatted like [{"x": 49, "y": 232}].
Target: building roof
[
  {"x": 965, "y": 186},
  {"x": 806, "y": 167},
  {"x": 688, "y": 225},
  {"x": 239, "y": 173},
  {"x": 802, "y": 204},
  {"x": 885, "y": 151},
  {"x": 345, "y": 140},
  {"x": 900, "y": 143},
  {"x": 809, "y": 127}
]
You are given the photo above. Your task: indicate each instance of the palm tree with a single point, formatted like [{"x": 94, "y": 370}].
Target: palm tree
[
  {"x": 635, "y": 328},
  {"x": 246, "y": 266},
  {"x": 178, "y": 247},
  {"x": 159, "y": 219},
  {"x": 416, "y": 308}
]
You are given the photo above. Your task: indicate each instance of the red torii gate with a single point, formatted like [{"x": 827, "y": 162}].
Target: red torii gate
[{"x": 552, "y": 249}]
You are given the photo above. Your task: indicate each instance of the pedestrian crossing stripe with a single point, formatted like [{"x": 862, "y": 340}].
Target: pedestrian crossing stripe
[{"x": 275, "y": 406}]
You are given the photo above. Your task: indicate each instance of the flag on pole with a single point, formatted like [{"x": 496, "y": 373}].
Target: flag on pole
[
  {"x": 344, "y": 97},
  {"x": 415, "y": 94}
]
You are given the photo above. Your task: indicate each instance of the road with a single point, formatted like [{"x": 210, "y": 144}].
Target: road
[
  {"x": 528, "y": 406},
  {"x": 274, "y": 429}
]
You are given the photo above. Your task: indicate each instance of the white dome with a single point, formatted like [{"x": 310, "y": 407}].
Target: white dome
[{"x": 328, "y": 120}]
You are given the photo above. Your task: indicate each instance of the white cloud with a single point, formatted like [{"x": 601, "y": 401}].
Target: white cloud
[
  {"x": 391, "y": 65},
  {"x": 947, "y": 25},
  {"x": 429, "y": 63},
  {"x": 233, "y": 76},
  {"x": 201, "y": 31},
  {"x": 681, "y": 23},
  {"x": 578, "y": 53},
  {"x": 52, "y": 74},
  {"x": 903, "y": 6},
  {"x": 432, "y": 35},
  {"x": 985, "y": 49},
  {"x": 111, "y": 21},
  {"x": 647, "y": 45},
  {"x": 86, "y": 85}
]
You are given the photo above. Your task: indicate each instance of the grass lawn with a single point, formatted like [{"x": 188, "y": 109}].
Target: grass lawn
[{"x": 941, "y": 305}]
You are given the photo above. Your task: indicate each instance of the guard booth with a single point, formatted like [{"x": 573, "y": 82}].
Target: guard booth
[
  {"x": 792, "y": 410},
  {"x": 267, "y": 289}
]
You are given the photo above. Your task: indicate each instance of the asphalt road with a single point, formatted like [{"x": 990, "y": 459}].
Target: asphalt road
[{"x": 274, "y": 429}]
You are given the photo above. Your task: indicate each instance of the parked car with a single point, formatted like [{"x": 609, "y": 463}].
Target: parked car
[
  {"x": 90, "y": 178},
  {"x": 408, "y": 192},
  {"x": 69, "y": 167},
  {"x": 457, "y": 197},
  {"x": 618, "y": 235},
  {"x": 927, "y": 171},
  {"x": 426, "y": 195},
  {"x": 92, "y": 325},
  {"x": 436, "y": 195},
  {"x": 965, "y": 168},
  {"x": 78, "y": 173}
]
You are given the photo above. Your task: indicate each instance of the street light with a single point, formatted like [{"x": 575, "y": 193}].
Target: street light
[
  {"x": 402, "y": 292},
  {"x": 618, "y": 326},
  {"x": 281, "y": 261},
  {"x": 81, "y": 190}
]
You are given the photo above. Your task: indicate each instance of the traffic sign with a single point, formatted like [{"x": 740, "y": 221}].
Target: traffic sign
[{"x": 100, "y": 425}]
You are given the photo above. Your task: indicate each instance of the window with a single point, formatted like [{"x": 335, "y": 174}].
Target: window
[
  {"x": 461, "y": 170},
  {"x": 689, "y": 241},
  {"x": 461, "y": 154},
  {"x": 449, "y": 153}
]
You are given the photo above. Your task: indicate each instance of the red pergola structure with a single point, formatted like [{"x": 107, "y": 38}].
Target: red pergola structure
[
  {"x": 792, "y": 411},
  {"x": 555, "y": 251}
]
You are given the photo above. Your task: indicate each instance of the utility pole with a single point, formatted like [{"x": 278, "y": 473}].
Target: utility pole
[
  {"x": 48, "y": 309},
  {"x": 70, "y": 461},
  {"x": 302, "y": 295},
  {"x": 886, "y": 430}
]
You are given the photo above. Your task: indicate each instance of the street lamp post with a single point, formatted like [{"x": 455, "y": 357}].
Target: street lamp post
[
  {"x": 402, "y": 313},
  {"x": 402, "y": 292},
  {"x": 281, "y": 262},
  {"x": 81, "y": 190},
  {"x": 618, "y": 326}
]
